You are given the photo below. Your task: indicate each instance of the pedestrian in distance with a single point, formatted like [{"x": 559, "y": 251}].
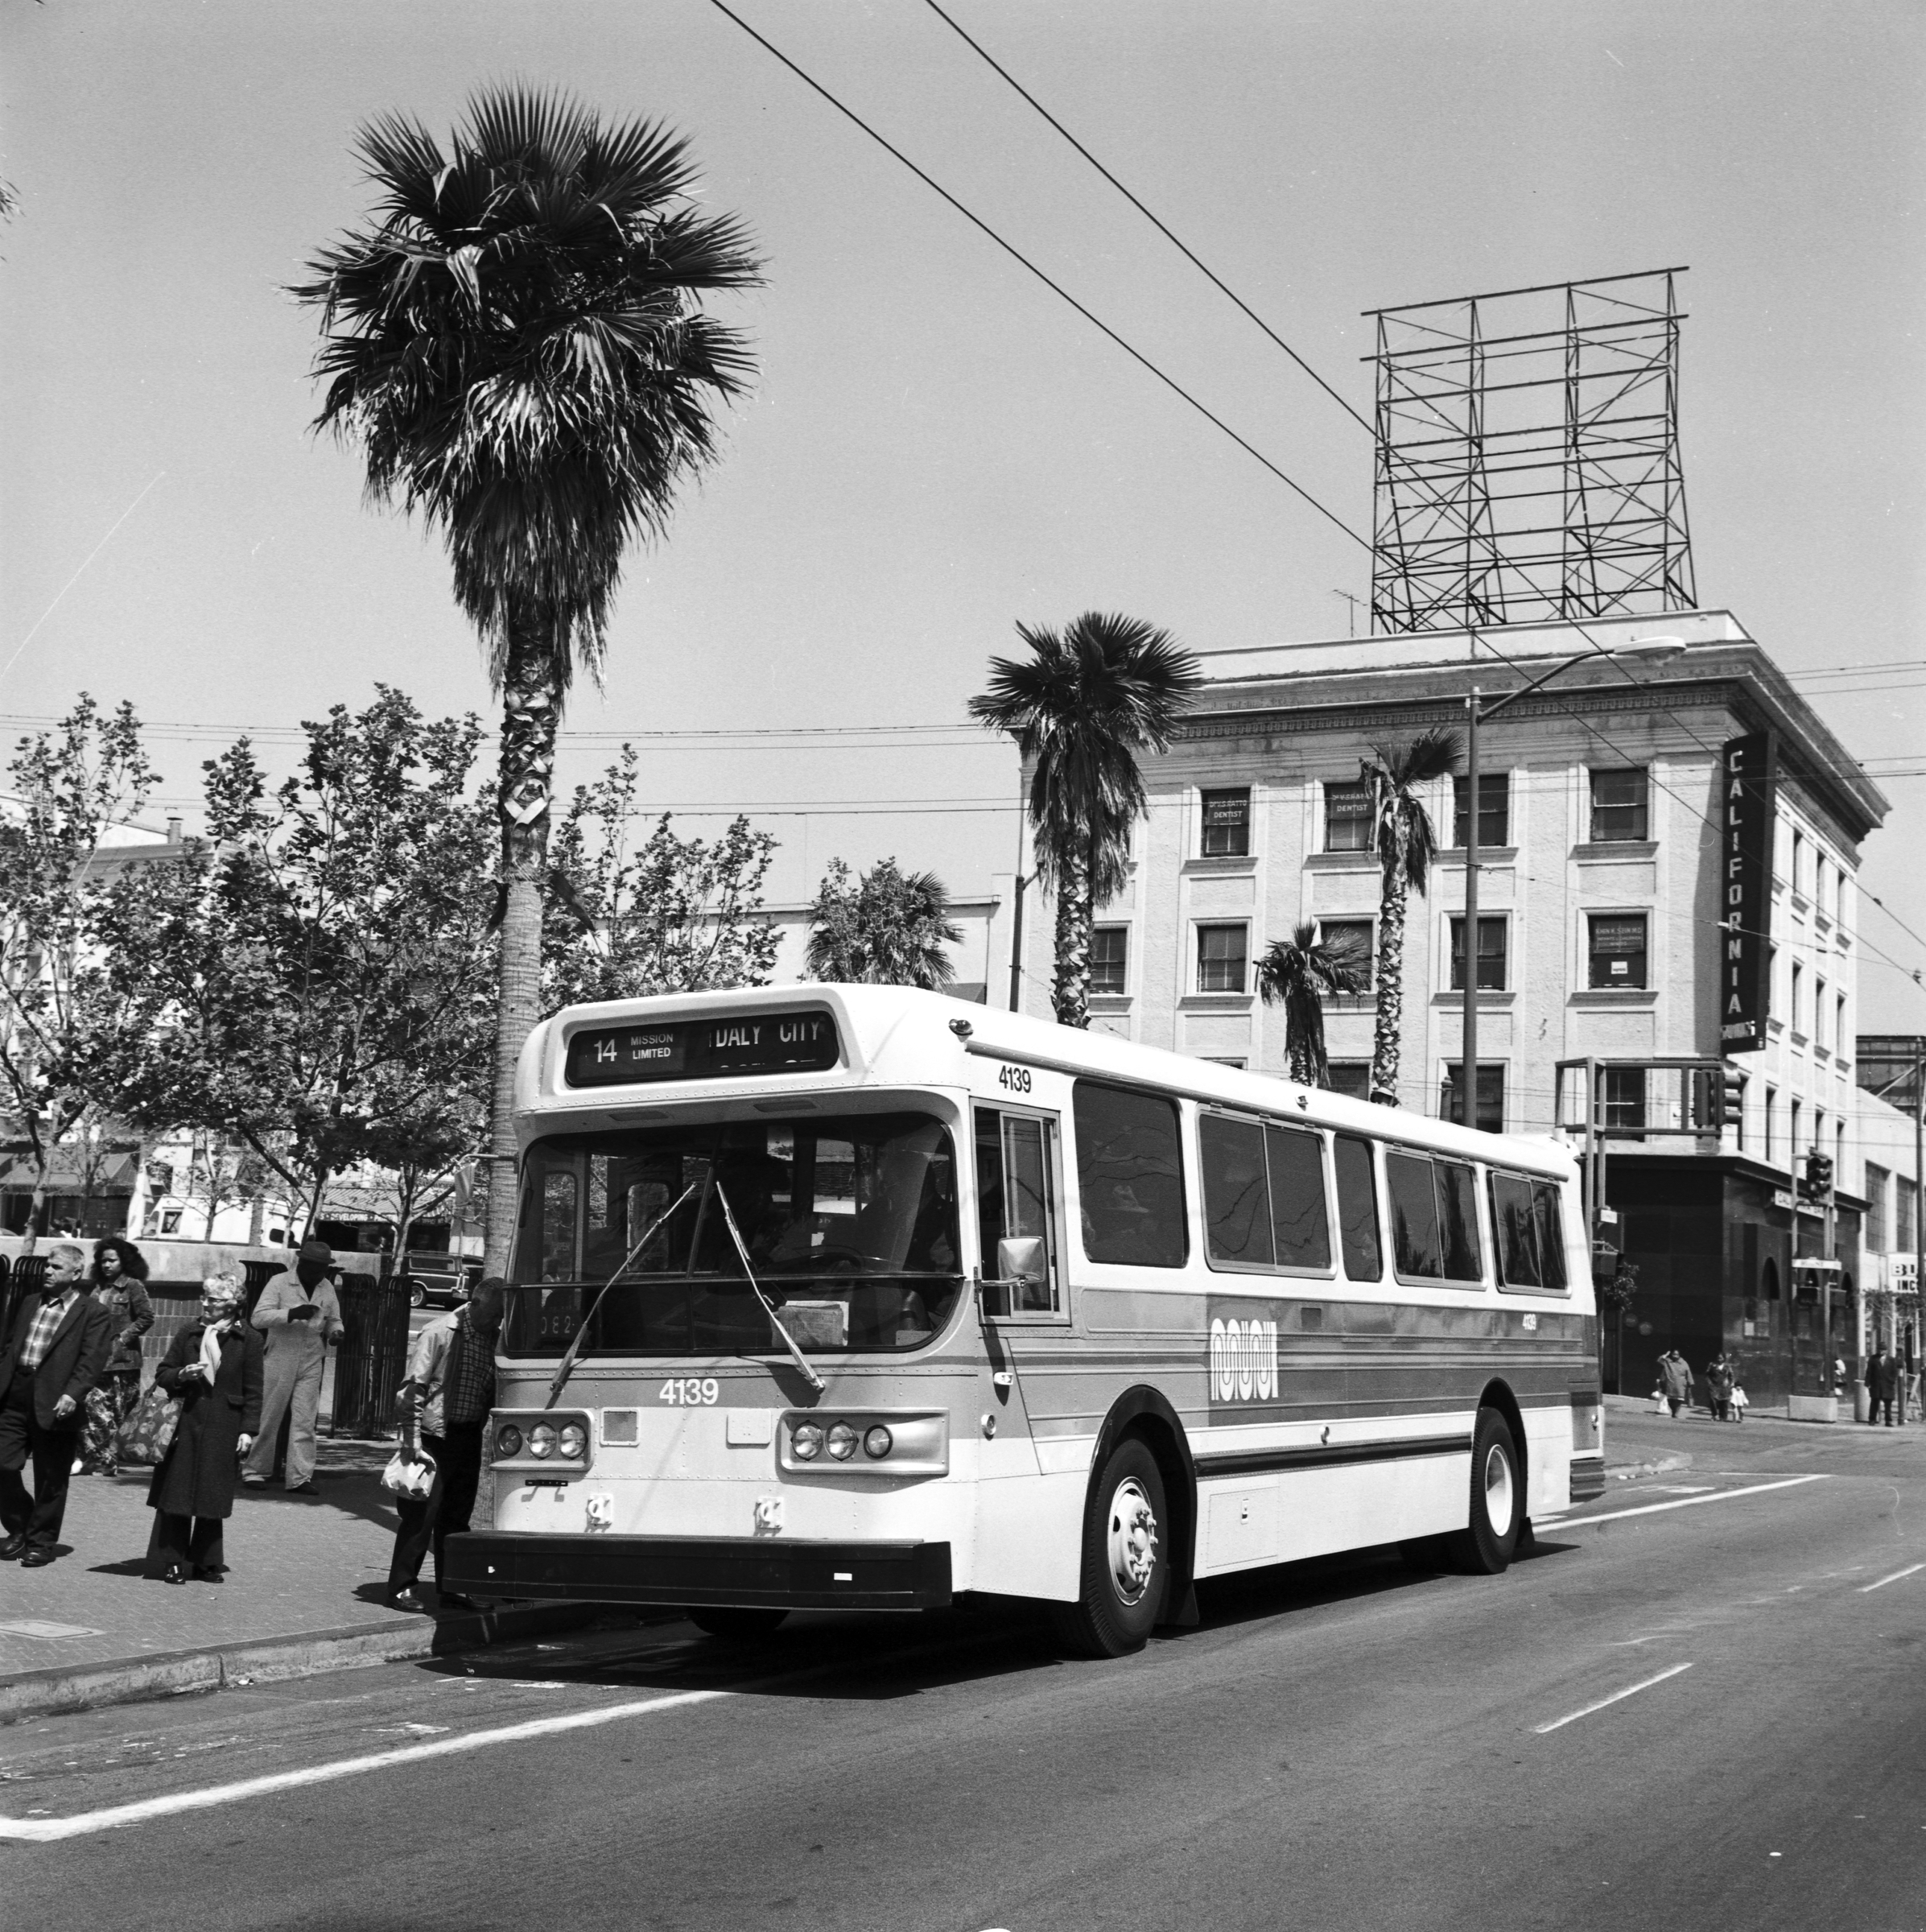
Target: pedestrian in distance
[
  {"x": 1740, "y": 1402},
  {"x": 300, "y": 1316},
  {"x": 52, "y": 1359},
  {"x": 119, "y": 1281},
  {"x": 214, "y": 1365},
  {"x": 444, "y": 1408},
  {"x": 1882, "y": 1386},
  {"x": 1720, "y": 1381},
  {"x": 1674, "y": 1378}
]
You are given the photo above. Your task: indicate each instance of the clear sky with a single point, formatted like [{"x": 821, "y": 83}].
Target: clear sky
[{"x": 937, "y": 446}]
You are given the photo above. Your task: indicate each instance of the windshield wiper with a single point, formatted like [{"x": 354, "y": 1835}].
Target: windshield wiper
[
  {"x": 768, "y": 1307},
  {"x": 566, "y": 1368}
]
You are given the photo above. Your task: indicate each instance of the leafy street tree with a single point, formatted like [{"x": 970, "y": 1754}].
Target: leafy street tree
[
  {"x": 885, "y": 928},
  {"x": 1080, "y": 708},
  {"x": 675, "y": 915},
  {"x": 71, "y": 787},
  {"x": 516, "y": 342},
  {"x": 1299, "y": 974},
  {"x": 317, "y": 981},
  {"x": 1406, "y": 843}
]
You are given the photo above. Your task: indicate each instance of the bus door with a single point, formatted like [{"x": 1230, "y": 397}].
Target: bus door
[{"x": 1016, "y": 1214}]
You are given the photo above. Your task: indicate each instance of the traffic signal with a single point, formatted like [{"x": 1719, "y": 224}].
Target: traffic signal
[
  {"x": 1816, "y": 1183},
  {"x": 1730, "y": 1097}
]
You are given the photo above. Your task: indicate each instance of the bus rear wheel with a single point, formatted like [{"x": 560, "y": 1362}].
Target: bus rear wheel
[
  {"x": 736, "y": 1625},
  {"x": 1126, "y": 1558},
  {"x": 1486, "y": 1545}
]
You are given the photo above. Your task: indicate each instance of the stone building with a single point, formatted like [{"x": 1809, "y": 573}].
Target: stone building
[{"x": 1601, "y": 933}]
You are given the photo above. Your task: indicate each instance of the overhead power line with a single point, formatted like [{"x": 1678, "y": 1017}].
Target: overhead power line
[
  {"x": 1183, "y": 249},
  {"x": 1017, "y": 255}
]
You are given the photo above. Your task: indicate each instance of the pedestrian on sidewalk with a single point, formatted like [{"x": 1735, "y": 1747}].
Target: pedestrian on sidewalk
[
  {"x": 1674, "y": 1378},
  {"x": 300, "y": 1316},
  {"x": 1719, "y": 1383},
  {"x": 214, "y": 1365},
  {"x": 51, "y": 1360},
  {"x": 1741, "y": 1402},
  {"x": 444, "y": 1406},
  {"x": 120, "y": 1285},
  {"x": 1882, "y": 1386}
]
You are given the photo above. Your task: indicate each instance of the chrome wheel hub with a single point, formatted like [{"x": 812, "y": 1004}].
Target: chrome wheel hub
[
  {"x": 1498, "y": 1490},
  {"x": 1132, "y": 1540}
]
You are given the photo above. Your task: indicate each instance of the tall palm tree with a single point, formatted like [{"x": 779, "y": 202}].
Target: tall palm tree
[
  {"x": 516, "y": 343},
  {"x": 1299, "y": 974},
  {"x": 1406, "y": 842},
  {"x": 1080, "y": 708}
]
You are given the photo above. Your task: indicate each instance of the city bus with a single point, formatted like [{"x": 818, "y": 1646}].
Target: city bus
[{"x": 861, "y": 1297}]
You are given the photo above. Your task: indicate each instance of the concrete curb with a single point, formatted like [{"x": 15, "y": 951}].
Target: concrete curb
[{"x": 132, "y": 1680}]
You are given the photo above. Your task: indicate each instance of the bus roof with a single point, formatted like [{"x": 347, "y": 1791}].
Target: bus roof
[{"x": 900, "y": 1036}]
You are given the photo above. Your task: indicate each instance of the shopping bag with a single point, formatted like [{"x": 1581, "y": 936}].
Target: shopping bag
[
  {"x": 411, "y": 1479},
  {"x": 1659, "y": 1404},
  {"x": 147, "y": 1434}
]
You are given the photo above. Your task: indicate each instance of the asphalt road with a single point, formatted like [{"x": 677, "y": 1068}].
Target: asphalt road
[{"x": 1342, "y": 1744}]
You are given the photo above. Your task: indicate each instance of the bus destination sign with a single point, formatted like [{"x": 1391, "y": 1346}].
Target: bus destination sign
[{"x": 703, "y": 1050}]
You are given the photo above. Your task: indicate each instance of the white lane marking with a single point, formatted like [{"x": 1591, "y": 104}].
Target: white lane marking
[
  {"x": 1617, "y": 1696},
  {"x": 1910, "y": 1570},
  {"x": 43, "y": 1831},
  {"x": 1684, "y": 1502}
]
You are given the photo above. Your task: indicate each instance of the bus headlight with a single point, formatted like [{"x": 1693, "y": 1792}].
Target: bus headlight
[
  {"x": 574, "y": 1441},
  {"x": 806, "y": 1442},
  {"x": 542, "y": 1441},
  {"x": 842, "y": 1440},
  {"x": 878, "y": 1443},
  {"x": 508, "y": 1440}
]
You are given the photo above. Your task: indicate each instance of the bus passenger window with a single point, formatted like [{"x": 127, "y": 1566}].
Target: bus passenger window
[
  {"x": 1413, "y": 1216},
  {"x": 1237, "y": 1214},
  {"x": 1457, "y": 1217},
  {"x": 1551, "y": 1236},
  {"x": 1297, "y": 1212},
  {"x": 1013, "y": 1204},
  {"x": 1130, "y": 1176},
  {"x": 1516, "y": 1231},
  {"x": 1358, "y": 1209}
]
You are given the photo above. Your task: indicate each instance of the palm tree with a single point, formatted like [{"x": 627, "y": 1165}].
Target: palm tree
[
  {"x": 888, "y": 928},
  {"x": 1080, "y": 708},
  {"x": 516, "y": 343},
  {"x": 1401, "y": 830},
  {"x": 1298, "y": 974}
]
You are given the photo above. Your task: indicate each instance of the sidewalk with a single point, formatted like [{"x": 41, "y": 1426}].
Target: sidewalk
[{"x": 306, "y": 1577}]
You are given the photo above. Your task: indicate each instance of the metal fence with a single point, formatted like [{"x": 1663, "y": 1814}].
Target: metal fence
[{"x": 373, "y": 1357}]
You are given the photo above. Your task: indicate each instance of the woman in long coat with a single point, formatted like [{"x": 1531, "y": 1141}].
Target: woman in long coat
[{"x": 214, "y": 1366}]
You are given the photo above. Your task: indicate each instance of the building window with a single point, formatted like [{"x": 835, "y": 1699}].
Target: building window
[
  {"x": 1624, "y": 1099},
  {"x": 1490, "y": 954},
  {"x": 1221, "y": 954},
  {"x": 1840, "y": 1035},
  {"x": 1771, "y": 1114},
  {"x": 1493, "y": 808},
  {"x": 1351, "y": 1078},
  {"x": 1109, "y": 958},
  {"x": 1905, "y": 1201},
  {"x": 1491, "y": 1095},
  {"x": 1347, "y": 818},
  {"x": 1799, "y": 863},
  {"x": 1821, "y": 1013},
  {"x": 1819, "y": 880},
  {"x": 1619, "y": 806},
  {"x": 1356, "y": 940},
  {"x": 1795, "y": 1014},
  {"x": 1617, "y": 949},
  {"x": 1227, "y": 824},
  {"x": 1792, "y": 1147}
]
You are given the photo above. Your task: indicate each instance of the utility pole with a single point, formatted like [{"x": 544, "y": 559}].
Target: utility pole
[
  {"x": 1350, "y": 629},
  {"x": 1467, "y": 1086}
]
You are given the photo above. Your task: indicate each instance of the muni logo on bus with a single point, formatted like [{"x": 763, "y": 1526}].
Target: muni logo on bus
[{"x": 1244, "y": 1360}]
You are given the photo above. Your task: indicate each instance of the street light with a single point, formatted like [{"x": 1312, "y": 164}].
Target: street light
[{"x": 1645, "y": 650}]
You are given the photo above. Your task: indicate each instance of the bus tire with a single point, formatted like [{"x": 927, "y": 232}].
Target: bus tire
[
  {"x": 1126, "y": 1566},
  {"x": 1486, "y": 1544},
  {"x": 737, "y": 1624}
]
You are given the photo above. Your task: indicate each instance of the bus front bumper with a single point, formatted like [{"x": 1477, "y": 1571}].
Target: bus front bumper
[{"x": 765, "y": 1572}]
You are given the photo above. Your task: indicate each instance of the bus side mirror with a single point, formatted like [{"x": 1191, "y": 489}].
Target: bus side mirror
[
  {"x": 992, "y": 1297},
  {"x": 1022, "y": 1259}
]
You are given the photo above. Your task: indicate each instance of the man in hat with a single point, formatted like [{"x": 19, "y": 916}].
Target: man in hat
[
  {"x": 299, "y": 1315},
  {"x": 53, "y": 1357}
]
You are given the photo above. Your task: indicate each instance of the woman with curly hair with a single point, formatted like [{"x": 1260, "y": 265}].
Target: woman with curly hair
[{"x": 119, "y": 1282}]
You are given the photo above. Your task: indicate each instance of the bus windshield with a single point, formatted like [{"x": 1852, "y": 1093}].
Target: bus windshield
[{"x": 850, "y": 1223}]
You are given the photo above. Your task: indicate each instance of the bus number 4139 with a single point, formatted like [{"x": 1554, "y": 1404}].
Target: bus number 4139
[{"x": 690, "y": 1392}]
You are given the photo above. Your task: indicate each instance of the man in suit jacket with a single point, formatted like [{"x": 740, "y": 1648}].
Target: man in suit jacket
[{"x": 60, "y": 1341}]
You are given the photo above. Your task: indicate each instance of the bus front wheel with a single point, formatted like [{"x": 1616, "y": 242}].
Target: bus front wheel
[
  {"x": 1486, "y": 1545},
  {"x": 1126, "y": 1558},
  {"x": 738, "y": 1626}
]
